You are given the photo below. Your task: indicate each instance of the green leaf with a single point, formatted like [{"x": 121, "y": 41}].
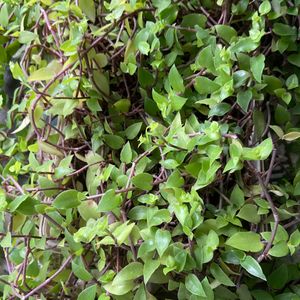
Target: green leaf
[
  {"x": 249, "y": 213},
  {"x": 292, "y": 82},
  {"x": 279, "y": 278},
  {"x": 220, "y": 275},
  {"x": 122, "y": 105},
  {"x": 46, "y": 73},
  {"x": 237, "y": 196},
  {"x": 244, "y": 98},
  {"x": 63, "y": 168},
  {"x": 122, "y": 232},
  {"x": 80, "y": 271},
  {"x": 6, "y": 241},
  {"x": 294, "y": 59},
  {"x": 204, "y": 85},
  {"x": 88, "y": 210},
  {"x": 176, "y": 80},
  {"x": 260, "y": 152},
  {"x": 162, "y": 241},
  {"x": 14, "y": 205},
  {"x": 244, "y": 44},
  {"x": 280, "y": 249},
  {"x": 88, "y": 8},
  {"x": 205, "y": 59},
  {"x": 177, "y": 102},
  {"x": 257, "y": 64},
  {"x": 226, "y": 32},
  {"x": 67, "y": 199},
  {"x": 109, "y": 201},
  {"x": 101, "y": 60},
  {"x": 219, "y": 110},
  {"x": 253, "y": 267},
  {"x": 4, "y": 16},
  {"x": 145, "y": 78},
  {"x": 277, "y": 130},
  {"x": 143, "y": 181},
  {"x": 265, "y": 7},
  {"x": 88, "y": 293},
  {"x": 126, "y": 154},
  {"x": 113, "y": 141},
  {"x": 144, "y": 47},
  {"x": 101, "y": 82},
  {"x": 156, "y": 217},
  {"x": 240, "y": 78},
  {"x": 193, "y": 285},
  {"x": 120, "y": 288},
  {"x": 26, "y": 37},
  {"x": 133, "y": 130},
  {"x": 246, "y": 241},
  {"x": 284, "y": 29},
  {"x": 130, "y": 272},
  {"x": 150, "y": 267},
  {"x": 27, "y": 207}
]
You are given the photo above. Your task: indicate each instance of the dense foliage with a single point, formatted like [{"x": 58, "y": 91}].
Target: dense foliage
[{"x": 150, "y": 150}]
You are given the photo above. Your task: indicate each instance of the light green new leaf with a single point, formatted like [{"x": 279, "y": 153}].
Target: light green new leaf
[{"x": 260, "y": 152}]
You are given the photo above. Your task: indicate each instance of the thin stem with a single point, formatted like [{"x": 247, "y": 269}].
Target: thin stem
[{"x": 47, "y": 281}]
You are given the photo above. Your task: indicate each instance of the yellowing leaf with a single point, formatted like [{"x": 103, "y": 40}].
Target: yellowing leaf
[{"x": 291, "y": 136}]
